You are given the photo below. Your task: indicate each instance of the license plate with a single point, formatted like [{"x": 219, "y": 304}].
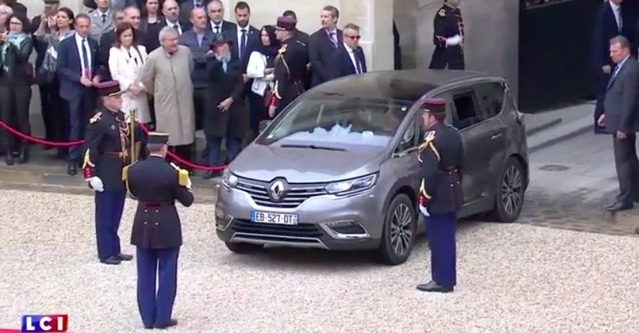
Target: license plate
[{"x": 274, "y": 218}]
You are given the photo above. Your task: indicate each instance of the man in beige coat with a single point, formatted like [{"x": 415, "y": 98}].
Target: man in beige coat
[{"x": 167, "y": 76}]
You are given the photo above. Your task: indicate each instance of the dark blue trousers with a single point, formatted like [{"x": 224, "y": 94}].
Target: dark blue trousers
[
  {"x": 440, "y": 231},
  {"x": 108, "y": 213},
  {"x": 156, "y": 305},
  {"x": 233, "y": 147}
]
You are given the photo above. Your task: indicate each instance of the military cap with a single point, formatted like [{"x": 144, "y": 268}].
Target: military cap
[
  {"x": 286, "y": 23},
  {"x": 434, "y": 106},
  {"x": 158, "y": 138},
  {"x": 109, "y": 88}
]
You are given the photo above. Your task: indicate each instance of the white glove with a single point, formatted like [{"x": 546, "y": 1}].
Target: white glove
[
  {"x": 424, "y": 210},
  {"x": 189, "y": 184},
  {"x": 96, "y": 184},
  {"x": 455, "y": 40}
]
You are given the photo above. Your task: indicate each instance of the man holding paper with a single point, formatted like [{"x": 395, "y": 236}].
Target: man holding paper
[{"x": 448, "y": 37}]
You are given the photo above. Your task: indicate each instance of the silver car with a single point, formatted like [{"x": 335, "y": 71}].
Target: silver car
[{"x": 338, "y": 169}]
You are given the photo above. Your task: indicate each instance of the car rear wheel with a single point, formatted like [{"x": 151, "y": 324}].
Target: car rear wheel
[
  {"x": 244, "y": 248},
  {"x": 398, "y": 236},
  {"x": 509, "y": 199}
]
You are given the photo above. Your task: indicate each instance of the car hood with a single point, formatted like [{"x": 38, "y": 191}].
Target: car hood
[{"x": 305, "y": 165}]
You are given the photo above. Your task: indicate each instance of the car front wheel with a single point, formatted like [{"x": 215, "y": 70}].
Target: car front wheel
[
  {"x": 244, "y": 248},
  {"x": 509, "y": 199},
  {"x": 399, "y": 232}
]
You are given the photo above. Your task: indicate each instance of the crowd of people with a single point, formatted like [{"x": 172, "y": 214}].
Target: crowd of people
[{"x": 182, "y": 66}]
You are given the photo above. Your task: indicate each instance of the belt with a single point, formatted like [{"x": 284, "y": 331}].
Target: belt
[
  {"x": 113, "y": 154},
  {"x": 156, "y": 204}
]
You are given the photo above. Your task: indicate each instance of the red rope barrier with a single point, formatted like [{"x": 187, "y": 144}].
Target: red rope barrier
[{"x": 43, "y": 142}]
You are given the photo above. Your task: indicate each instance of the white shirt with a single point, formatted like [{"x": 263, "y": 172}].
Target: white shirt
[
  {"x": 172, "y": 25},
  {"x": 78, "y": 43},
  {"x": 616, "y": 10},
  {"x": 239, "y": 38},
  {"x": 351, "y": 54}
]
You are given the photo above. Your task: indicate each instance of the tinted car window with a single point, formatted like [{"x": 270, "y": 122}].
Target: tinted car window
[
  {"x": 491, "y": 98},
  {"x": 467, "y": 113},
  {"x": 363, "y": 121}
]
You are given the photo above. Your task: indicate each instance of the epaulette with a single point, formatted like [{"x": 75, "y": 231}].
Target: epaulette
[
  {"x": 282, "y": 49},
  {"x": 183, "y": 175},
  {"x": 95, "y": 118},
  {"x": 442, "y": 12}
]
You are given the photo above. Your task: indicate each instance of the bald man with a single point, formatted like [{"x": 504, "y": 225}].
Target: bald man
[
  {"x": 199, "y": 40},
  {"x": 171, "y": 13}
]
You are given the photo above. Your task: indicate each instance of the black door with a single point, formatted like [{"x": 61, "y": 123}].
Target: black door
[{"x": 554, "y": 52}]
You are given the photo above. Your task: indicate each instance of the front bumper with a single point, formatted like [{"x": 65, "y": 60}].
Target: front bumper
[{"x": 325, "y": 221}]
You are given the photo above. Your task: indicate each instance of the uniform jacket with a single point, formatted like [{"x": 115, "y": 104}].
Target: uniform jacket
[
  {"x": 69, "y": 66},
  {"x": 157, "y": 184},
  {"x": 222, "y": 85},
  {"x": 290, "y": 72},
  {"x": 107, "y": 148},
  {"x": 124, "y": 66},
  {"x": 621, "y": 101},
  {"x": 441, "y": 157},
  {"x": 320, "y": 50},
  {"x": 448, "y": 23}
]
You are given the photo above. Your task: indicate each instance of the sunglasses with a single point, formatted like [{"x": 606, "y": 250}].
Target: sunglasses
[{"x": 354, "y": 37}]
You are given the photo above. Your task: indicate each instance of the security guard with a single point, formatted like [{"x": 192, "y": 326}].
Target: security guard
[
  {"x": 108, "y": 149},
  {"x": 440, "y": 194},
  {"x": 290, "y": 66},
  {"x": 157, "y": 232},
  {"x": 448, "y": 37}
]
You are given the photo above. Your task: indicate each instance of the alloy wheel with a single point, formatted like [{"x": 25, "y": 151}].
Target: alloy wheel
[
  {"x": 512, "y": 190},
  {"x": 401, "y": 232}
]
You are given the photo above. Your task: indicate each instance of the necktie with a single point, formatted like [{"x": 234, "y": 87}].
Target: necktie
[
  {"x": 619, "y": 20},
  {"x": 103, "y": 18},
  {"x": 198, "y": 5},
  {"x": 225, "y": 66},
  {"x": 333, "y": 39},
  {"x": 358, "y": 61},
  {"x": 217, "y": 29},
  {"x": 242, "y": 43},
  {"x": 177, "y": 28},
  {"x": 85, "y": 60},
  {"x": 617, "y": 68}
]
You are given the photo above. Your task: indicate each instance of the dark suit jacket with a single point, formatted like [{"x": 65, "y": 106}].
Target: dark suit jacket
[
  {"x": 106, "y": 42},
  {"x": 621, "y": 99},
  {"x": 185, "y": 25},
  {"x": 302, "y": 36},
  {"x": 69, "y": 66},
  {"x": 342, "y": 65},
  {"x": 252, "y": 42},
  {"x": 228, "y": 28},
  {"x": 320, "y": 50},
  {"x": 605, "y": 29},
  {"x": 200, "y": 56},
  {"x": 39, "y": 46}
]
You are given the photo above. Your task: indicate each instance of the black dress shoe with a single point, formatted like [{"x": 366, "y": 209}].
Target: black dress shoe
[
  {"x": 434, "y": 287},
  {"x": 125, "y": 257},
  {"x": 111, "y": 261},
  {"x": 72, "y": 170},
  {"x": 25, "y": 156},
  {"x": 618, "y": 206},
  {"x": 171, "y": 323},
  {"x": 8, "y": 159}
]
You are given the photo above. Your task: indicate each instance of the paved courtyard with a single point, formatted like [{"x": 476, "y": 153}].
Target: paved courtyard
[{"x": 513, "y": 278}]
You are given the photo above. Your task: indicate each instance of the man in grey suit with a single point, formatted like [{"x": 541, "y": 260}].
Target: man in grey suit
[{"x": 621, "y": 119}]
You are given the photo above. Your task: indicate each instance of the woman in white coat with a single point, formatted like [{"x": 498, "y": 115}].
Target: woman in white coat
[
  {"x": 260, "y": 68},
  {"x": 126, "y": 59}
]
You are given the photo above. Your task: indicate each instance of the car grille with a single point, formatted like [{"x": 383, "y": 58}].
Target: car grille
[
  {"x": 300, "y": 230},
  {"x": 294, "y": 197}
]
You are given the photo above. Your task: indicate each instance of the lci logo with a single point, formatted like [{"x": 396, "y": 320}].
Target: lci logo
[{"x": 45, "y": 323}]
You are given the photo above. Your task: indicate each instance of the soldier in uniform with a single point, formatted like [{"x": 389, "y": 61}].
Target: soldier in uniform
[
  {"x": 448, "y": 37},
  {"x": 290, "y": 66},
  {"x": 440, "y": 194},
  {"x": 108, "y": 150},
  {"x": 157, "y": 232}
]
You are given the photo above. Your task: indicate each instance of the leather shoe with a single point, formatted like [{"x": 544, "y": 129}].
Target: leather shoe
[
  {"x": 171, "y": 323},
  {"x": 72, "y": 170},
  {"x": 125, "y": 257},
  {"x": 434, "y": 287},
  {"x": 111, "y": 261},
  {"x": 618, "y": 206}
]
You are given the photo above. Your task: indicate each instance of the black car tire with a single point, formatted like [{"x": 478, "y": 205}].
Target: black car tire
[
  {"x": 244, "y": 248},
  {"x": 386, "y": 252},
  {"x": 512, "y": 181}
]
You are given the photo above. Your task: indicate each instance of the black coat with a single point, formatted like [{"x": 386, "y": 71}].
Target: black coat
[
  {"x": 234, "y": 122},
  {"x": 157, "y": 184}
]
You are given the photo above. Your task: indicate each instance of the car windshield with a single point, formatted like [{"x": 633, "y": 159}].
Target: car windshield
[{"x": 337, "y": 120}]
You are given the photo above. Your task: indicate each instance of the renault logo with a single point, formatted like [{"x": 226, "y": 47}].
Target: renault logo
[{"x": 277, "y": 189}]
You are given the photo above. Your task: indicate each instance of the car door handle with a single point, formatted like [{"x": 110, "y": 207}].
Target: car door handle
[{"x": 496, "y": 136}]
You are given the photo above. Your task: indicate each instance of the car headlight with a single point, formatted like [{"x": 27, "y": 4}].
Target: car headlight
[
  {"x": 229, "y": 179},
  {"x": 351, "y": 186}
]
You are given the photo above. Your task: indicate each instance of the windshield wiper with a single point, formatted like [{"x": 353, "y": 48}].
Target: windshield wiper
[{"x": 312, "y": 147}]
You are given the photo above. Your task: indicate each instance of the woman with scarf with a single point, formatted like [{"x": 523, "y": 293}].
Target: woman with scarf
[
  {"x": 225, "y": 117},
  {"x": 16, "y": 76},
  {"x": 261, "y": 67}
]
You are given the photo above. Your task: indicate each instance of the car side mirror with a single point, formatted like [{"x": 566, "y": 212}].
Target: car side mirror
[{"x": 263, "y": 125}]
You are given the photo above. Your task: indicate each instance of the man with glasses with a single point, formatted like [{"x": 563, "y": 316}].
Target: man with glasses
[{"x": 349, "y": 58}]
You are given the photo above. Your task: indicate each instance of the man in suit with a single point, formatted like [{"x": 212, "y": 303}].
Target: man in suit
[
  {"x": 217, "y": 24},
  {"x": 621, "y": 120},
  {"x": 171, "y": 13},
  {"x": 101, "y": 19},
  {"x": 131, "y": 15},
  {"x": 323, "y": 43},
  {"x": 157, "y": 230},
  {"x": 609, "y": 23},
  {"x": 77, "y": 69},
  {"x": 247, "y": 37},
  {"x": 187, "y": 6},
  {"x": 349, "y": 57}
]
